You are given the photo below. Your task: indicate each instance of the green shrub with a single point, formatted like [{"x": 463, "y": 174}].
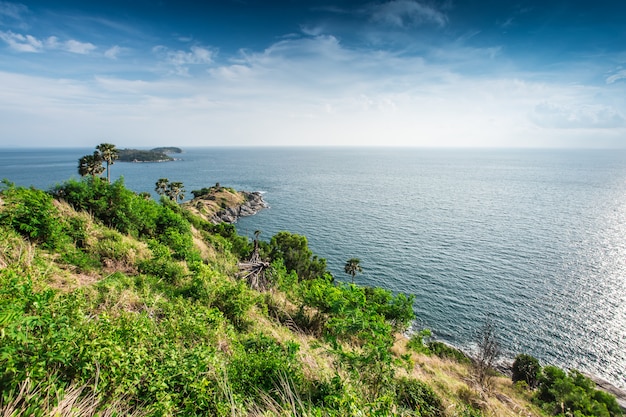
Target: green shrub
[
  {"x": 562, "y": 393},
  {"x": 418, "y": 396},
  {"x": 260, "y": 363},
  {"x": 526, "y": 368},
  {"x": 32, "y": 213},
  {"x": 293, "y": 249},
  {"x": 416, "y": 342},
  {"x": 445, "y": 351}
]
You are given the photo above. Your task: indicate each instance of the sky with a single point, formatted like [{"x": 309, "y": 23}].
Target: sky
[{"x": 414, "y": 73}]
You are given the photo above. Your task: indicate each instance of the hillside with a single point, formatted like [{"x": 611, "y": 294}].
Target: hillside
[{"x": 114, "y": 304}]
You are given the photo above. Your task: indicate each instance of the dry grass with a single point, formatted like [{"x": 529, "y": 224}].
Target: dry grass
[
  {"x": 456, "y": 386},
  {"x": 74, "y": 401},
  {"x": 208, "y": 205}
]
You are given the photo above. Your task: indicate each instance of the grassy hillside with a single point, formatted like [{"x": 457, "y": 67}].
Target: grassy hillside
[{"x": 114, "y": 304}]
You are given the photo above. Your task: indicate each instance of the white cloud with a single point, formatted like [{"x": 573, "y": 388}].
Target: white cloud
[
  {"x": 12, "y": 10},
  {"x": 113, "y": 52},
  {"x": 618, "y": 75},
  {"x": 77, "y": 47},
  {"x": 402, "y": 13},
  {"x": 312, "y": 91},
  {"x": 29, "y": 43},
  {"x": 577, "y": 116},
  {"x": 181, "y": 60},
  {"x": 21, "y": 43}
]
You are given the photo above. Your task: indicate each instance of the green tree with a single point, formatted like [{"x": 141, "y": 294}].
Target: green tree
[
  {"x": 109, "y": 153},
  {"x": 526, "y": 368},
  {"x": 90, "y": 165},
  {"x": 352, "y": 267},
  {"x": 176, "y": 191},
  {"x": 293, "y": 249},
  {"x": 161, "y": 186}
]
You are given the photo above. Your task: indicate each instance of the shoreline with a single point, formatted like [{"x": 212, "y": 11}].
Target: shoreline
[{"x": 505, "y": 367}]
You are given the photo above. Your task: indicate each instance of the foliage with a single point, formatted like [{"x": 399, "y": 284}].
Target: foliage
[
  {"x": 444, "y": 351},
  {"x": 416, "y": 341},
  {"x": 526, "y": 368},
  {"x": 420, "y": 397},
  {"x": 260, "y": 361},
  {"x": 560, "y": 393},
  {"x": 137, "y": 155},
  {"x": 107, "y": 153},
  {"x": 32, "y": 213},
  {"x": 293, "y": 249},
  {"x": 173, "y": 190},
  {"x": 352, "y": 267},
  {"x": 164, "y": 331},
  {"x": 90, "y": 165}
]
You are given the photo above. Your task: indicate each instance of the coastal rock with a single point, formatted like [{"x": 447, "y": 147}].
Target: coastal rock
[
  {"x": 253, "y": 204},
  {"x": 222, "y": 204}
]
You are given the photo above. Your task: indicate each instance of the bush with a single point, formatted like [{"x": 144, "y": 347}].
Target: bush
[
  {"x": 113, "y": 204},
  {"x": 418, "y": 396},
  {"x": 31, "y": 213},
  {"x": 526, "y": 368},
  {"x": 260, "y": 363},
  {"x": 293, "y": 249},
  {"x": 444, "y": 351},
  {"x": 574, "y": 394}
]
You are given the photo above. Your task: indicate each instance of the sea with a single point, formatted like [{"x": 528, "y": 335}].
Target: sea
[{"x": 533, "y": 241}]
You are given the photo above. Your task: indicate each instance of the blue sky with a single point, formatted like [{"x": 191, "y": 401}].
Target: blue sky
[{"x": 299, "y": 73}]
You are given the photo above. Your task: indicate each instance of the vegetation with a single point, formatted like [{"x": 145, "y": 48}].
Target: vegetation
[
  {"x": 108, "y": 153},
  {"x": 173, "y": 190},
  {"x": 137, "y": 155},
  {"x": 488, "y": 352},
  {"x": 563, "y": 394},
  {"x": 114, "y": 304},
  {"x": 352, "y": 267},
  {"x": 526, "y": 368},
  {"x": 167, "y": 149},
  {"x": 92, "y": 164}
]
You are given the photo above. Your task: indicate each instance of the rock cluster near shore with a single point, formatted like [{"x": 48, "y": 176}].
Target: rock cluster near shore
[
  {"x": 253, "y": 204},
  {"x": 221, "y": 204}
]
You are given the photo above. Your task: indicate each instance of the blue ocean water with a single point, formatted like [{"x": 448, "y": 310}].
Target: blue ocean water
[{"x": 534, "y": 240}]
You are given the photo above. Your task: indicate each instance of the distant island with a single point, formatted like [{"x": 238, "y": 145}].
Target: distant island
[
  {"x": 167, "y": 149},
  {"x": 152, "y": 155}
]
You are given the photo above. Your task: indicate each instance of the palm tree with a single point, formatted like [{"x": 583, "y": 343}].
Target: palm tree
[
  {"x": 108, "y": 153},
  {"x": 161, "y": 186},
  {"x": 176, "y": 191},
  {"x": 352, "y": 267},
  {"x": 90, "y": 165}
]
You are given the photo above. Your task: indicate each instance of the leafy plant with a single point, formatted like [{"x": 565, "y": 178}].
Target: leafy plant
[{"x": 526, "y": 368}]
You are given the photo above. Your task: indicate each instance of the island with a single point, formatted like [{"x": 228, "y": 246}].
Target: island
[
  {"x": 167, "y": 149},
  {"x": 152, "y": 155},
  {"x": 219, "y": 204}
]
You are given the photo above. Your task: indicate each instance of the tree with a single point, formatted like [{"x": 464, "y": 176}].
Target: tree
[
  {"x": 108, "y": 153},
  {"x": 90, "y": 165},
  {"x": 174, "y": 190},
  {"x": 488, "y": 353},
  {"x": 161, "y": 186},
  {"x": 352, "y": 267},
  {"x": 293, "y": 249},
  {"x": 526, "y": 368}
]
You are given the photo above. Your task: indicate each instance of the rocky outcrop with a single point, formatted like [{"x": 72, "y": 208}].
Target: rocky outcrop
[{"x": 253, "y": 203}]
